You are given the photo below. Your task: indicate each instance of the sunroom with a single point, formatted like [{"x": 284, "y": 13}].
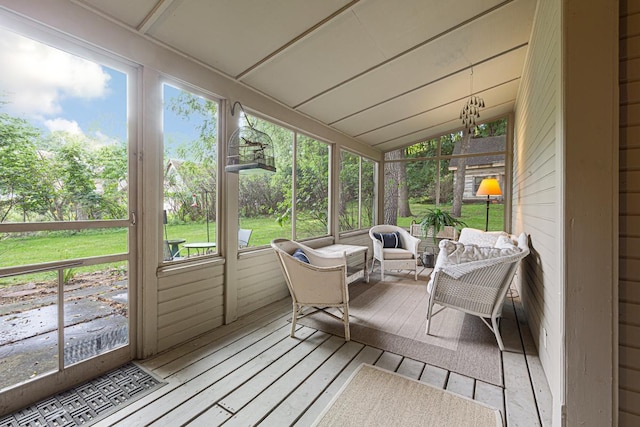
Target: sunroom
[{"x": 347, "y": 93}]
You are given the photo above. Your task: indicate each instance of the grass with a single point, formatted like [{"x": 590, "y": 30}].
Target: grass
[
  {"x": 473, "y": 214},
  {"x": 55, "y": 246}
]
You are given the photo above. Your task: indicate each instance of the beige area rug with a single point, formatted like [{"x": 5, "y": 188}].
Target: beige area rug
[
  {"x": 392, "y": 316},
  {"x": 375, "y": 397}
]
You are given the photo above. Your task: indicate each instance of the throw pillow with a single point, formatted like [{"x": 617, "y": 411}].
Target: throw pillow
[
  {"x": 389, "y": 240},
  {"x": 300, "y": 256},
  {"x": 523, "y": 241},
  {"x": 452, "y": 253},
  {"x": 473, "y": 236},
  {"x": 504, "y": 242}
]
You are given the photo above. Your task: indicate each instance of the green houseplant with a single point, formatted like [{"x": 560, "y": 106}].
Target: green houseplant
[{"x": 436, "y": 219}]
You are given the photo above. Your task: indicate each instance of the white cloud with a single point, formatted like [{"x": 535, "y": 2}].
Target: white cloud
[
  {"x": 64, "y": 125},
  {"x": 103, "y": 139},
  {"x": 35, "y": 77}
]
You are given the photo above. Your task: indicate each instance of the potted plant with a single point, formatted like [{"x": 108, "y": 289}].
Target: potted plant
[
  {"x": 432, "y": 223},
  {"x": 436, "y": 219}
]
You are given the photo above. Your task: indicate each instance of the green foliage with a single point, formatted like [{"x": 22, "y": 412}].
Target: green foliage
[
  {"x": 68, "y": 275},
  {"x": 356, "y": 197},
  {"x": 436, "y": 219},
  {"x": 112, "y": 171},
  {"x": 195, "y": 172},
  {"x": 21, "y": 169}
]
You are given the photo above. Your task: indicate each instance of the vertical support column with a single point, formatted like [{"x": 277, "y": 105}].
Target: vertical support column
[
  {"x": 507, "y": 191},
  {"x": 334, "y": 193},
  {"x": 150, "y": 184},
  {"x": 590, "y": 41},
  {"x": 229, "y": 187}
]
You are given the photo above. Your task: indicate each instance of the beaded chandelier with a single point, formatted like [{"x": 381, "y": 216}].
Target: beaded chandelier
[{"x": 471, "y": 110}]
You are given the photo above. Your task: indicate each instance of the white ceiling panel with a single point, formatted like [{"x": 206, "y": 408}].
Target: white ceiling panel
[
  {"x": 492, "y": 98},
  {"x": 129, "y": 12},
  {"x": 234, "y": 35},
  {"x": 387, "y": 73},
  {"x": 456, "y": 88},
  {"x": 399, "y": 27},
  {"x": 332, "y": 54},
  {"x": 468, "y": 45}
]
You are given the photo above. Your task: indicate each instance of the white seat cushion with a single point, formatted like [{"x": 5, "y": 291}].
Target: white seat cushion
[{"x": 392, "y": 253}]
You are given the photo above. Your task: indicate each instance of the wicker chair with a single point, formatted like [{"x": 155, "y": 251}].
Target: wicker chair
[
  {"x": 404, "y": 257},
  {"x": 475, "y": 287},
  {"x": 321, "y": 283}
]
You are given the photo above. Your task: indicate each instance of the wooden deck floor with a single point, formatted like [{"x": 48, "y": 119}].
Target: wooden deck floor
[{"x": 251, "y": 372}]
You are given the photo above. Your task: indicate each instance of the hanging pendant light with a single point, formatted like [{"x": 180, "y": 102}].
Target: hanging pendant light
[{"x": 471, "y": 109}]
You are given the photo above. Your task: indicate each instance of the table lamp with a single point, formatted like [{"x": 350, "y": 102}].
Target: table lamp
[{"x": 489, "y": 187}]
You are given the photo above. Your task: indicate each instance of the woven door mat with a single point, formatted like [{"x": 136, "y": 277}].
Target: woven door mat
[{"x": 88, "y": 402}]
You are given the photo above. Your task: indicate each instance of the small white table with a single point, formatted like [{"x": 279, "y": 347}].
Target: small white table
[
  {"x": 205, "y": 246},
  {"x": 350, "y": 250}
]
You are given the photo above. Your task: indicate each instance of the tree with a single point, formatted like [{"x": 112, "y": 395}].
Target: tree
[
  {"x": 391, "y": 187},
  {"x": 458, "y": 190},
  {"x": 20, "y": 168},
  {"x": 404, "y": 210},
  {"x": 312, "y": 187},
  {"x": 71, "y": 178},
  {"x": 499, "y": 127},
  {"x": 112, "y": 162},
  {"x": 198, "y": 165}
]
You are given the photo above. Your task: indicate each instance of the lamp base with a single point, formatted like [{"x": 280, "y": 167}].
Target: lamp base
[{"x": 486, "y": 224}]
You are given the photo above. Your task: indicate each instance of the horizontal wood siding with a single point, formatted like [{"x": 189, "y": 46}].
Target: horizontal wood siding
[
  {"x": 260, "y": 281},
  {"x": 537, "y": 194},
  {"x": 629, "y": 267},
  {"x": 189, "y": 304}
]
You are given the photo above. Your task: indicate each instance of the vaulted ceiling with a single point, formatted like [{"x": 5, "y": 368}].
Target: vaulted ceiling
[{"x": 385, "y": 72}]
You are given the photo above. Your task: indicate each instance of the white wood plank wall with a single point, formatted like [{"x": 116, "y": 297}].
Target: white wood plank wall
[
  {"x": 629, "y": 286},
  {"x": 260, "y": 281},
  {"x": 537, "y": 203},
  {"x": 189, "y": 304}
]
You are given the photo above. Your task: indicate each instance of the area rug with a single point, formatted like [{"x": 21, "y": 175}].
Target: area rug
[
  {"x": 375, "y": 397},
  {"x": 391, "y": 315}
]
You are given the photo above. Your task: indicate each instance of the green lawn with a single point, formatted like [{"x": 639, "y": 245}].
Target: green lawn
[{"x": 55, "y": 246}]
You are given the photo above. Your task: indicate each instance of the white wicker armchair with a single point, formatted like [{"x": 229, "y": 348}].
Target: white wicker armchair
[
  {"x": 475, "y": 287},
  {"x": 320, "y": 284},
  {"x": 404, "y": 257}
]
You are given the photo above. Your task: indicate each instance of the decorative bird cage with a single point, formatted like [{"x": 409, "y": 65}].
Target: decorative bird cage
[{"x": 248, "y": 148}]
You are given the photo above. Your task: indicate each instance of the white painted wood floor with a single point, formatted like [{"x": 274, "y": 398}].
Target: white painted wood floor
[{"x": 251, "y": 372}]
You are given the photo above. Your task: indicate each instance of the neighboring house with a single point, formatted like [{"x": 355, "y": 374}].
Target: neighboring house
[
  {"x": 481, "y": 166},
  {"x": 174, "y": 182}
]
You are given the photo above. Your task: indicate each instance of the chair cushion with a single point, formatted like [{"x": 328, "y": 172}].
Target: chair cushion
[
  {"x": 389, "y": 240},
  {"x": 393, "y": 253},
  {"x": 300, "y": 255}
]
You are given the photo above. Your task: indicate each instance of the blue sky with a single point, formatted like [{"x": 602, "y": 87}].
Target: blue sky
[{"x": 56, "y": 91}]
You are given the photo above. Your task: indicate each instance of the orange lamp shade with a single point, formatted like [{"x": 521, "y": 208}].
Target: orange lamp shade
[{"x": 489, "y": 187}]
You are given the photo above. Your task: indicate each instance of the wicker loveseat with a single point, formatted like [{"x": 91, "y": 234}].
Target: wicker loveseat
[{"x": 473, "y": 274}]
